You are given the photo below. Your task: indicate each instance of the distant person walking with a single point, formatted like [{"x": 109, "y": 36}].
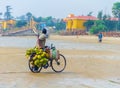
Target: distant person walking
[{"x": 100, "y": 36}]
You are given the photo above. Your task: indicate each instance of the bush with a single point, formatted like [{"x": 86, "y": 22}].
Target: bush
[{"x": 97, "y": 29}]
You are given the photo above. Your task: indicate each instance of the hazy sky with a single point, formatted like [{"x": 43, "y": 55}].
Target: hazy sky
[{"x": 57, "y": 8}]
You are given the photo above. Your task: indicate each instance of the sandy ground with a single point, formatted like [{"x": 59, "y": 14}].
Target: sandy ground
[{"x": 85, "y": 68}]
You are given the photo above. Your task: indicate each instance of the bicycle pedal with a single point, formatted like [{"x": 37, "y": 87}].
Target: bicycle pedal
[{"x": 46, "y": 66}]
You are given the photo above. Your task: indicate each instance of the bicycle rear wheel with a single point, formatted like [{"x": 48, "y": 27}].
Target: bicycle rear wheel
[
  {"x": 58, "y": 65},
  {"x": 33, "y": 67}
]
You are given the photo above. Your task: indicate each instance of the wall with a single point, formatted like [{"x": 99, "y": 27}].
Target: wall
[{"x": 75, "y": 24}]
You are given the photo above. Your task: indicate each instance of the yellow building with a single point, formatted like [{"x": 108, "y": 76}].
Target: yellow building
[
  {"x": 77, "y": 22},
  {"x": 7, "y": 24}
]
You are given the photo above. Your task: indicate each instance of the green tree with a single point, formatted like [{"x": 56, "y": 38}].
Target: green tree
[
  {"x": 104, "y": 17},
  {"x": 100, "y": 15},
  {"x": 116, "y": 9},
  {"x": 22, "y": 17},
  {"x": 29, "y": 15},
  {"x": 7, "y": 14},
  {"x": 98, "y": 27},
  {"x": 38, "y": 20},
  {"x": 88, "y": 24},
  {"x": 116, "y": 12},
  {"x": 60, "y": 25},
  {"x": 90, "y": 14},
  {"x": 110, "y": 25},
  {"x": 20, "y": 23},
  {"x": 49, "y": 21}
]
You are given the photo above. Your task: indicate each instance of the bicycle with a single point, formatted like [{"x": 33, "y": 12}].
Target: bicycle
[{"x": 57, "y": 64}]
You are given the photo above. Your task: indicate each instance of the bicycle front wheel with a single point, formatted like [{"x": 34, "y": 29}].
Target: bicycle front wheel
[
  {"x": 33, "y": 67},
  {"x": 58, "y": 65}
]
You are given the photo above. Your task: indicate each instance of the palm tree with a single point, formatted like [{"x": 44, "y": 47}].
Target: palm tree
[
  {"x": 7, "y": 14},
  {"x": 100, "y": 15},
  {"x": 29, "y": 15}
]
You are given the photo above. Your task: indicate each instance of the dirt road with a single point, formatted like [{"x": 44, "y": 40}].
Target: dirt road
[{"x": 92, "y": 65}]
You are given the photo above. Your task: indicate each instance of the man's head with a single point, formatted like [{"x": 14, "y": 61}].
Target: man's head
[{"x": 44, "y": 31}]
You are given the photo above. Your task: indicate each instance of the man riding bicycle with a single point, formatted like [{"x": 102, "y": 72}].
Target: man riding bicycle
[
  {"x": 42, "y": 39},
  {"x": 49, "y": 57}
]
